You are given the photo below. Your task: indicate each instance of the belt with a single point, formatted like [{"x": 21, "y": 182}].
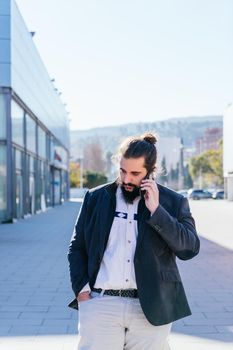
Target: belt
[{"x": 125, "y": 293}]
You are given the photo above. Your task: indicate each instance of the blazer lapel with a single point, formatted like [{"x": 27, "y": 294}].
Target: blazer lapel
[
  {"x": 143, "y": 215},
  {"x": 107, "y": 210}
]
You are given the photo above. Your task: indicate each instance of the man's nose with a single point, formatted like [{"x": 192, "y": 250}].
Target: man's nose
[{"x": 127, "y": 179}]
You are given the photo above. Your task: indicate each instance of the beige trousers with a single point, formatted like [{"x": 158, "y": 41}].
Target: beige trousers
[{"x": 115, "y": 323}]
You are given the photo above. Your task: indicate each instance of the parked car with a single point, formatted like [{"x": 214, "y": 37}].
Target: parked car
[
  {"x": 218, "y": 194},
  {"x": 211, "y": 190},
  {"x": 198, "y": 194}
]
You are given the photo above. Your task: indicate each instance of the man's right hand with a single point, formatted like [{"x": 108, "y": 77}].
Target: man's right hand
[{"x": 83, "y": 296}]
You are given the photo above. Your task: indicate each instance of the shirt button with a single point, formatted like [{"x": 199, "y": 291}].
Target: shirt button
[
  {"x": 129, "y": 241},
  {"x": 130, "y": 222},
  {"x": 128, "y": 260},
  {"x": 126, "y": 280}
]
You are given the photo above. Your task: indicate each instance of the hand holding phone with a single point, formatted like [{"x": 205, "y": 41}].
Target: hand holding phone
[
  {"x": 148, "y": 176},
  {"x": 149, "y": 190}
]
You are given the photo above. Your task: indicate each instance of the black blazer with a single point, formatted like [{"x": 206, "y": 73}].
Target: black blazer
[{"x": 168, "y": 233}]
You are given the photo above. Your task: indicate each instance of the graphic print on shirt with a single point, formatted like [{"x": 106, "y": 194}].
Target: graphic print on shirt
[{"x": 121, "y": 215}]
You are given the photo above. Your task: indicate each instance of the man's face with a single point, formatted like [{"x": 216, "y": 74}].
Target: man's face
[{"x": 132, "y": 172}]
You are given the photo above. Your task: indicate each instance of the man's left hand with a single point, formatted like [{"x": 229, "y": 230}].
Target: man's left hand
[{"x": 152, "y": 194}]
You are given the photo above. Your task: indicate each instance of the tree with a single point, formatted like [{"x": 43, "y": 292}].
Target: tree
[
  {"x": 109, "y": 165},
  {"x": 93, "y": 159},
  {"x": 93, "y": 179},
  {"x": 188, "y": 181},
  {"x": 75, "y": 174},
  {"x": 209, "y": 165},
  {"x": 173, "y": 176},
  {"x": 199, "y": 164},
  {"x": 163, "y": 176},
  {"x": 217, "y": 162}
]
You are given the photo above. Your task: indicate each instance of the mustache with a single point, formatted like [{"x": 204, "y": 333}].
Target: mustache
[{"x": 129, "y": 184}]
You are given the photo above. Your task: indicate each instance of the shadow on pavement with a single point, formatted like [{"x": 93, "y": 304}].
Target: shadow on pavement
[{"x": 209, "y": 286}]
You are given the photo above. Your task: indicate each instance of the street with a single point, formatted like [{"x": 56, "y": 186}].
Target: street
[{"x": 35, "y": 287}]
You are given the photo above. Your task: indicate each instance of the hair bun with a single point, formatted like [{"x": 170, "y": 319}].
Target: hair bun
[{"x": 150, "y": 138}]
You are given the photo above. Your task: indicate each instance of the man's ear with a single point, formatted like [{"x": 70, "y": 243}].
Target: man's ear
[{"x": 154, "y": 173}]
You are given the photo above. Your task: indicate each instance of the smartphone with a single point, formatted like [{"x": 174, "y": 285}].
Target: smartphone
[{"x": 148, "y": 176}]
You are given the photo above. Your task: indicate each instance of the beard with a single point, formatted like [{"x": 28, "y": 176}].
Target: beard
[{"x": 129, "y": 196}]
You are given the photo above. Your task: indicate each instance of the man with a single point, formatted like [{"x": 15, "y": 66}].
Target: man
[{"x": 122, "y": 256}]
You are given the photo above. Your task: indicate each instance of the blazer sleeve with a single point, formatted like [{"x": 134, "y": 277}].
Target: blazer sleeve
[
  {"x": 77, "y": 254},
  {"x": 179, "y": 233}
]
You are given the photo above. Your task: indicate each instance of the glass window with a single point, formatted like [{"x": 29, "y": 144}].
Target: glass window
[
  {"x": 41, "y": 143},
  {"x": 48, "y": 189},
  {"x": 18, "y": 159},
  {"x": 31, "y": 186},
  {"x": 58, "y": 155},
  {"x": 2, "y": 117},
  {"x": 3, "y": 194},
  {"x": 64, "y": 186},
  {"x": 32, "y": 165},
  {"x": 17, "y": 116},
  {"x": 31, "y": 133},
  {"x": 65, "y": 158},
  {"x": 48, "y": 146},
  {"x": 52, "y": 141}
]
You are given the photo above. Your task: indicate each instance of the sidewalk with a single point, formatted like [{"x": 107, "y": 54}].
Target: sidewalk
[{"x": 35, "y": 287}]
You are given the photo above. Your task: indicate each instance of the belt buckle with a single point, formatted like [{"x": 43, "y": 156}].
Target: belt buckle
[{"x": 120, "y": 292}]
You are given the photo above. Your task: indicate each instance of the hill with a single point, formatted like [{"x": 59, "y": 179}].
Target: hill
[{"x": 188, "y": 128}]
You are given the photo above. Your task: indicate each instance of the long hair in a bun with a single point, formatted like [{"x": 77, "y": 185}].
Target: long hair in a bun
[
  {"x": 141, "y": 146},
  {"x": 150, "y": 138}
]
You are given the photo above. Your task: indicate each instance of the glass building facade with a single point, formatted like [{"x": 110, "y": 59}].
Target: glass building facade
[{"x": 34, "y": 126}]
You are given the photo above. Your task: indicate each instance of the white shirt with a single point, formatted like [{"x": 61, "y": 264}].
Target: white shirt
[{"x": 117, "y": 267}]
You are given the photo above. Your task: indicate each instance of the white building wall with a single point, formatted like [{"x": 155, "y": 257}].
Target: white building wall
[
  {"x": 229, "y": 187},
  {"x": 228, "y": 140},
  {"x": 227, "y": 151}
]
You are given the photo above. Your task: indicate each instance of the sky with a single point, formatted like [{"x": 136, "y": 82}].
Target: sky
[{"x": 128, "y": 61}]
